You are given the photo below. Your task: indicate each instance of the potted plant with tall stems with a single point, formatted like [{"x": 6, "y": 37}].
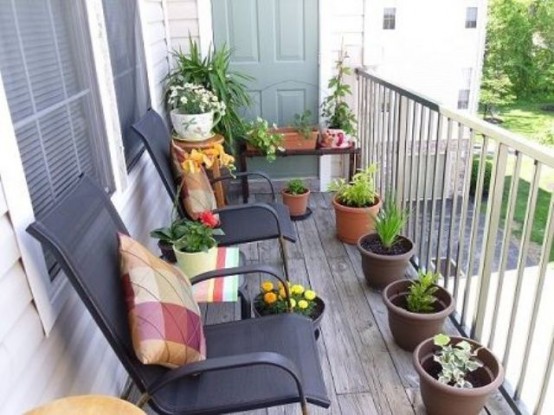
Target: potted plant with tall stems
[
  {"x": 385, "y": 253},
  {"x": 356, "y": 205},
  {"x": 456, "y": 375},
  {"x": 417, "y": 309}
]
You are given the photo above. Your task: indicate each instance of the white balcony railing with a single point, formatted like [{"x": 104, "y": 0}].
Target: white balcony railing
[{"x": 481, "y": 212}]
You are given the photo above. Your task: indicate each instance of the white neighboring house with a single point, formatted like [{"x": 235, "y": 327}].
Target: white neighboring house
[{"x": 434, "y": 47}]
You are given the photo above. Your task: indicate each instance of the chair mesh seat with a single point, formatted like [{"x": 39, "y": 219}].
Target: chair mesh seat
[{"x": 219, "y": 392}]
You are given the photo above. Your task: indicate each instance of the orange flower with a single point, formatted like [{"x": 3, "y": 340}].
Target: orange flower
[{"x": 270, "y": 298}]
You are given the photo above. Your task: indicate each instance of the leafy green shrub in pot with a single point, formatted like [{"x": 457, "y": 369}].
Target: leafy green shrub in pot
[{"x": 295, "y": 196}]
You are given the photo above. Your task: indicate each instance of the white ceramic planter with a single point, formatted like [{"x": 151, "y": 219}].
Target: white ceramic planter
[
  {"x": 193, "y": 127},
  {"x": 196, "y": 263}
]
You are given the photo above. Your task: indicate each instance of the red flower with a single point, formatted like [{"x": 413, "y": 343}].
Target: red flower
[{"x": 208, "y": 219}]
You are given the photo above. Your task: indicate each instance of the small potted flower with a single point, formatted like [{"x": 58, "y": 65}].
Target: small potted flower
[
  {"x": 295, "y": 197},
  {"x": 167, "y": 236},
  {"x": 456, "y": 375},
  {"x": 385, "y": 253},
  {"x": 356, "y": 205},
  {"x": 267, "y": 140},
  {"x": 272, "y": 299},
  {"x": 194, "y": 111},
  {"x": 196, "y": 250},
  {"x": 417, "y": 309}
]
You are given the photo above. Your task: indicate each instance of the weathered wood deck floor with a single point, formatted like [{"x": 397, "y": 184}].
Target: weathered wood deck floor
[{"x": 365, "y": 372}]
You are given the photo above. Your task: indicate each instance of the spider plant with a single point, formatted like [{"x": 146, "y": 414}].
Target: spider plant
[{"x": 389, "y": 223}]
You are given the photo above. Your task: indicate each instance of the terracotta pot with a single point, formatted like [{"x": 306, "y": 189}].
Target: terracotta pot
[
  {"x": 381, "y": 270},
  {"x": 167, "y": 251},
  {"x": 293, "y": 140},
  {"x": 440, "y": 399},
  {"x": 354, "y": 222},
  {"x": 410, "y": 329},
  {"x": 195, "y": 263},
  {"x": 297, "y": 204}
]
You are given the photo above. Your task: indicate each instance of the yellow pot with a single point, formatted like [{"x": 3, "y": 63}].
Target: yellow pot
[{"x": 194, "y": 263}]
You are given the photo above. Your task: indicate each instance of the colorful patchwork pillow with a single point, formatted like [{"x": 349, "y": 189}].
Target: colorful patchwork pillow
[
  {"x": 197, "y": 194},
  {"x": 165, "y": 321}
]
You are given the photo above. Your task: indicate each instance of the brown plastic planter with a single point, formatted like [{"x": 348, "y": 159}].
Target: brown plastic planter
[
  {"x": 293, "y": 140},
  {"x": 297, "y": 204},
  {"x": 381, "y": 270},
  {"x": 410, "y": 329},
  {"x": 441, "y": 399},
  {"x": 352, "y": 222}
]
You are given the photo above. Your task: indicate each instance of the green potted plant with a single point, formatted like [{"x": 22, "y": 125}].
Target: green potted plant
[
  {"x": 456, "y": 375},
  {"x": 302, "y": 135},
  {"x": 340, "y": 118},
  {"x": 295, "y": 196},
  {"x": 385, "y": 253},
  {"x": 213, "y": 72},
  {"x": 356, "y": 205},
  {"x": 417, "y": 309},
  {"x": 194, "y": 111},
  {"x": 167, "y": 236},
  {"x": 273, "y": 299},
  {"x": 196, "y": 250},
  {"x": 260, "y": 136}
]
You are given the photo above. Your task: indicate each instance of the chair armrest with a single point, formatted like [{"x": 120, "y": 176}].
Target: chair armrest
[
  {"x": 230, "y": 362},
  {"x": 247, "y": 174},
  {"x": 257, "y": 205}
]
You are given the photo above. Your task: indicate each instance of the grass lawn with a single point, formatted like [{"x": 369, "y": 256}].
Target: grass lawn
[{"x": 528, "y": 119}]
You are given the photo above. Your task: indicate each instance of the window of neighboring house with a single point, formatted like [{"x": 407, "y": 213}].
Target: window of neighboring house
[
  {"x": 389, "y": 18},
  {"x": 471, "y": 17},
  {"x": 463, "y": 99},
  {"x": 46, "y": 68},
  {"x": 128, "y": 69}
]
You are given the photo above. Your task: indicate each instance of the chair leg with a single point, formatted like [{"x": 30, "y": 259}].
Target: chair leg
[
  {"x": 245, "y": 306},
  {"x": 283, "y": 249}
]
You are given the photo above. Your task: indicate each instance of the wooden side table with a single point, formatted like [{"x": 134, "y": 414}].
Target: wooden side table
[
  {"x": 188, "y": 146},
  {"x": 87, "y": 405}
]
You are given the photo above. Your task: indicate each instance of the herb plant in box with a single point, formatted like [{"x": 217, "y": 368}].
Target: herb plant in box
[
  {"x": 456, "y": 375},
  {"x": 196, "y": 250},
  {"x": 302, "y": 135},
  {"x": 417, "y": 309},
  {"x": 273, "y": 299},
  {"x": 356, "y": 205},
  {"x": 385, "y": 253},
  {"x": 295, "y": 196}
]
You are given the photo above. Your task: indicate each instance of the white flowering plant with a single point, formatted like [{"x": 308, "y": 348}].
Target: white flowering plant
[{"x": 188, "y": 98}]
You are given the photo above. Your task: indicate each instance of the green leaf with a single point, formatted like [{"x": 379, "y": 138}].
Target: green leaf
[{"x": 441, "y": 339}]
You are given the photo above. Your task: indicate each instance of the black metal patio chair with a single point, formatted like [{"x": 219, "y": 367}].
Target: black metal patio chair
[
  {"x": 251, "y": 364},
  {"x": 241, "y": 223}
]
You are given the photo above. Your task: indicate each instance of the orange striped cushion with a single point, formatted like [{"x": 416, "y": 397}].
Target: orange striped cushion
[{"x": 165, "y": 321}]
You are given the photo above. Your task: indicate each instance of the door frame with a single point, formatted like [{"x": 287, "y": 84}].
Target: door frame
[{"x": 325, "y": 62}]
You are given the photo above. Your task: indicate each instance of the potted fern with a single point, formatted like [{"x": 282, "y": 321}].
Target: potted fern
[
  {"x": 417, "y": 309},
  {"x": 385, "y": 253},
  {"x": 356, "y": 205},
  {"x": 295, "y": 197},
  {"x": 456, "y": 375}
]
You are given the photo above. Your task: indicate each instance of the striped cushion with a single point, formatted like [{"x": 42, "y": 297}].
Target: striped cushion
[
  {"x": 165, "y": 321},
  {"x": 197, "y": 194}
]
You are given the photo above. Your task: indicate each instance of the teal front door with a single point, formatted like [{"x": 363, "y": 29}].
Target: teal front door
[{"x": 275, "y": 42}]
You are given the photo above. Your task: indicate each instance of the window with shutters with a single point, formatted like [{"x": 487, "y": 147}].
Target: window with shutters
[
  {"x": 471, "y": 17},
  {"x": 389, "y": 18},
  {"x": 128, "y": 69},
  {"x": 47, "y": 72}
]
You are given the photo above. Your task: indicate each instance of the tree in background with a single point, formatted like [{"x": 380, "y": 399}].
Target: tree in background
[{"x": 496, "y": 91}]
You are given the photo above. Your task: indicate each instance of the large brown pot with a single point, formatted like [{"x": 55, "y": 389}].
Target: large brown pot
[
  {"x": 408, "y": 328},
  {"x": 354, "y": 222},
  {"x": 381, "y": 270},
  {"x": 297, "y": 204},
  {"x": 440, "y": 399}
]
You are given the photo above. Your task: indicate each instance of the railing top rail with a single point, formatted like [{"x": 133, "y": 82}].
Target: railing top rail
[{"x": 543, "y": 154}]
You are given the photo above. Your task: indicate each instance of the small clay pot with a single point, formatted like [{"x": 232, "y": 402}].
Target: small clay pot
[
  {"x": 410, "y": 329},
  {"x": 440, "y": 399},
  {"x": 354, "y": 222},
  {"x": 381, "y": 270},
  {"x": 297, "y": 204}
]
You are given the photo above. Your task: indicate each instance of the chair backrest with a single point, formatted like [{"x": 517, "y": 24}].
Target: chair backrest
[
  {"x": 152, "y": 130},
  {"x": 82, "y": 232}
]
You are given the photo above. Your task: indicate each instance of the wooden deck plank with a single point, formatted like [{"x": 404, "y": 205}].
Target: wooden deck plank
[{"x": 358, "y": 403}]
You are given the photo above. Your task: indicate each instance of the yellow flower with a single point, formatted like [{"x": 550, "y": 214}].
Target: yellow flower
[
  {"x": 283, "y": 293},
  {"x": 267, "y": 286},
  {"x": 297, "y": 289},
  {"x": 270, "y": 298},
  {"x": 303, "y": 304},
  {"x": 309, "y": 295},
  {"x": 189, "y": 166},
  {"x": 292, "y": 302}
]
